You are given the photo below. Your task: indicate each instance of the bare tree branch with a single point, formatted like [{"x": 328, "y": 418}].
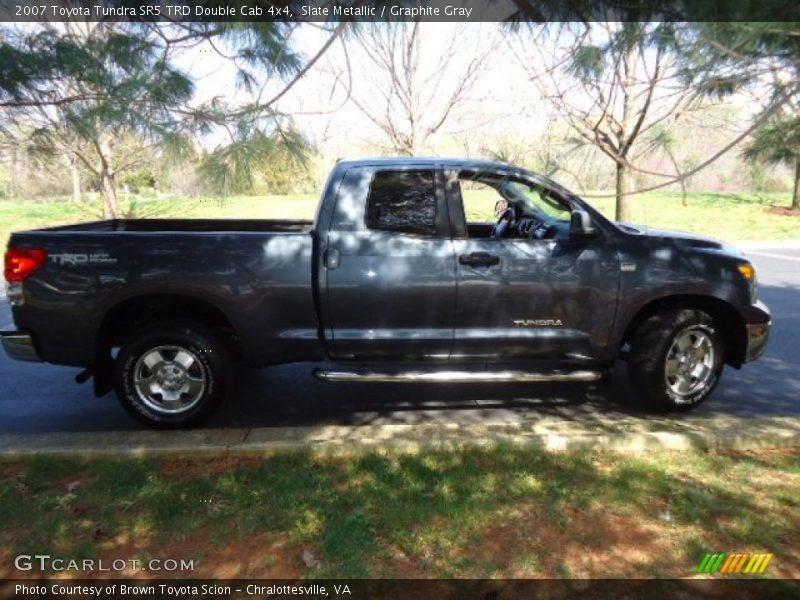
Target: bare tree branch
[{"x": 415, "y": 90}]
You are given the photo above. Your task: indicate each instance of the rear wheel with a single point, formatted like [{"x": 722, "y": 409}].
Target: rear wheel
[
  {"x": 676, "y": 359},
  {"x": 172, "y": 374}
]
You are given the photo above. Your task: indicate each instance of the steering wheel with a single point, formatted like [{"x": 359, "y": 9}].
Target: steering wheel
[{"x": 504, "y": 221}]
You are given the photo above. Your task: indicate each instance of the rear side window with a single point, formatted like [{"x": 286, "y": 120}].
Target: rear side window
[{"x": 402, "y": 201}]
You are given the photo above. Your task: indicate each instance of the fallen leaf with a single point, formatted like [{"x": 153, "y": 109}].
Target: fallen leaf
[{"x": 309, "y": 559}]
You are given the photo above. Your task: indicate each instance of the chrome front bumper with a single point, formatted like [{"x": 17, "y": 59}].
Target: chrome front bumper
[{"x": 19, "y": 346}]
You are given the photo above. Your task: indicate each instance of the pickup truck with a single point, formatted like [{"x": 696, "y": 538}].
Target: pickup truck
[{"x": 414, "y": 270}]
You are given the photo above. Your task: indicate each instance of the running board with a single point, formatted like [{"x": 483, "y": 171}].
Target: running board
[{"x": 456, "y": 376}]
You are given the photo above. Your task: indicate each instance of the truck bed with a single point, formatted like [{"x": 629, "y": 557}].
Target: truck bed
[
  {"x": 189, "y": 225},
  {"x": 258, "y": 274}
]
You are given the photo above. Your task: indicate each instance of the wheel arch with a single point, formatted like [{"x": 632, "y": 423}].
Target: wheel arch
[
  {"x": 731, "y": 323},
  {"x": 130, "y": 314}
]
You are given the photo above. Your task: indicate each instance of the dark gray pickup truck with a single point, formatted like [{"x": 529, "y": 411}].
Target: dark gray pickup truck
[{"x": 415, "y": 270}]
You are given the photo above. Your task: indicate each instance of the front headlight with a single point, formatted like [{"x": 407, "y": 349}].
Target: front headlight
[{"x": 748, "y": 271}]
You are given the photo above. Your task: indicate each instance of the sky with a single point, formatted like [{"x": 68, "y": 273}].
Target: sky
[{"x": 501, "y": 99}]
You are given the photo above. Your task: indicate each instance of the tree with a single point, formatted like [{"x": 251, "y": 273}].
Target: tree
[
  {"x": 718, "y": 47},
  {"x": 720, "y": 58},
  {"x": 414, "y": 88},
  {"x": 779, "y": 142},
  {"x": 37, "y": 171},
  {"x": 663, "y": 140},
  {"x": 82, "y": 87},
  {"x": 723, "y": 58},
  {"x": 614, "y": 84}
]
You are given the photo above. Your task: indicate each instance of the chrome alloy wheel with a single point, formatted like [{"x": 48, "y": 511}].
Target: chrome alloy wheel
[
  {"x": 689, "y": 366},
  {"x": 169, "y": 379}
]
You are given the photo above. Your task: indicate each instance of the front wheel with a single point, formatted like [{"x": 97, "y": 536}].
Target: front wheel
[
  {"x": 676, "y": 359},
  {"x": 171, "y": 374}
]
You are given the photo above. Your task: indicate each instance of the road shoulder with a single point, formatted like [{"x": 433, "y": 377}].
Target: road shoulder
[{"x": 624, "y": 435}]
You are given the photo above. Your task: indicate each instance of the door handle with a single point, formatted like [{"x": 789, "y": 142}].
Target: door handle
[
  {"x": 479, "y": 259},
  {"x": 332, "y": 258}
]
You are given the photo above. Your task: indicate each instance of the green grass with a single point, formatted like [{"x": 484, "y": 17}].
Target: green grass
[
  {"x": 22, "y": 215},
  {"x": 730, "y": 217},
  {"x": 506, "y": 512}
]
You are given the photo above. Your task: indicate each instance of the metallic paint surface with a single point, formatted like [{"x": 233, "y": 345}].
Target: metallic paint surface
[{"x": 390, "y": 296}]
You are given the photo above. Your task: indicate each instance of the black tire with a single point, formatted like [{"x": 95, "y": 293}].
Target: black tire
[
  {"x": 172, "y": 374},
  {"x": 686, "y": 380}
]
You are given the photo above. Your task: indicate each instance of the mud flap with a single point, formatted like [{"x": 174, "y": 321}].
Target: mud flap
[{"x": 103, "y": 372}]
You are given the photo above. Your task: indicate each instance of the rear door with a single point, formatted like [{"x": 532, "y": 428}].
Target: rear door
[
  {"x": 389, "y": 266},
  {"x": 526, "y": 298}
]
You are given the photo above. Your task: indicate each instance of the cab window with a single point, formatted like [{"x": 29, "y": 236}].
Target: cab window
[{"x": 402, "y": 201}]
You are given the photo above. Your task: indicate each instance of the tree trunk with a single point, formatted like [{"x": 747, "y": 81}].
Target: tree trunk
[
  {"x": 107, "y": 184},
  {"x": 13, "y": 175},
  {"x": 626, "y": 134},
  {"x": 624, "y": 211},
  {"x": 76, "y": 177},
  {"x": 76, "y": 184},
  {"x": 796, "y": 195},
  {"x": 110, "y": 205}
]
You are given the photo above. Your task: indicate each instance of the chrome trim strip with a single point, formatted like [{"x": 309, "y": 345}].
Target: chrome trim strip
[
  {"x": 19, "y": 346},
  {"x": 456, "y": 376}
]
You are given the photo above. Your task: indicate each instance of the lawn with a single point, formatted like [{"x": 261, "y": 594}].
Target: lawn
[
  {"x": 21, "y": 215},
  {"x": 506, "y": 512},
  {"x": 731, "y": 217}
]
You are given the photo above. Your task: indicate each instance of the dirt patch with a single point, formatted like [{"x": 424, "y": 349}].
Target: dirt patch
[
  {"x": 194, "y": 468},
  {"x": 402, "y": 567},
  {"x": 262, "y": 556},
  {"x": 7, "y": 570},
  {"x": 763, "y": 454},
  {"x": 784, "y": 211},
  {"x": 588, "y": 543},
  {"x": 507, "y": 544},
  {"x": 11, "y": 470}
]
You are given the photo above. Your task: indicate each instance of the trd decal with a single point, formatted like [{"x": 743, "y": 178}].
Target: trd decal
[{"x": 66, "y": 258}]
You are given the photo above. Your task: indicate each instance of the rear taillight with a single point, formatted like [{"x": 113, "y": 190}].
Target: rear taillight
[{"x": 22, "y": 262}]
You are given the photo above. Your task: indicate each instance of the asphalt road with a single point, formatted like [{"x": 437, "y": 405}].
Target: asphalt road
[{"x": 43, "y": 398}]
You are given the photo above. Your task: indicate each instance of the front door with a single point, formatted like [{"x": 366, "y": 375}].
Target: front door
[{"x": 523, "y": 297}]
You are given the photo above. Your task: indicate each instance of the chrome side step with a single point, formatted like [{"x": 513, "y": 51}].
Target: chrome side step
[{"x": 456, "y": 376}]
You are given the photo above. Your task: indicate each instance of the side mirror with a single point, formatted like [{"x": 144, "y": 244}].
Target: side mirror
[{"x": 580, "y": 225}]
